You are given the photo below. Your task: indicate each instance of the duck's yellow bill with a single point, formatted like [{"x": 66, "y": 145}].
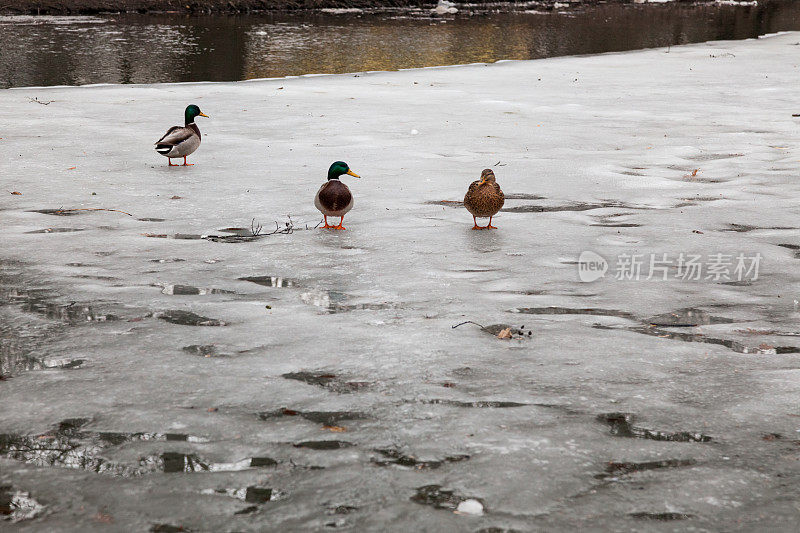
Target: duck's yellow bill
[
  {"x": 204, "y": 115},
  {"x": 351, "y": 173}
]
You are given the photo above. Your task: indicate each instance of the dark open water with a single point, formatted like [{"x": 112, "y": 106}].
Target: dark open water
[{"x": 172, "y": 48}]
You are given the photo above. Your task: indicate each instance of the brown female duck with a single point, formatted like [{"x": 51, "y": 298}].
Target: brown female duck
[{"x": 484, "y": 199}]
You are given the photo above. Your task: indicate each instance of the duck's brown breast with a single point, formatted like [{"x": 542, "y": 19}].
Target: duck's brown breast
[
  {"x": 335, "y": 197},
  {"x": 484, "y": 200}
]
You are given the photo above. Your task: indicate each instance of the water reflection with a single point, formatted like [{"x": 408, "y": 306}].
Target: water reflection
[
  {"x": 22, "y": 340},
  {"x": 251, "y": 494},
  {"x": 17, "y": 505},
  {"x": 69, "y": 446},
  {"x": 336, "y": 302},
  {"x": 172, "y": 48}
]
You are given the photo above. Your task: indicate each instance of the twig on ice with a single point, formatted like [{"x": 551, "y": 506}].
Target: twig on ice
[
  {"x": 255, "y": 229},
  {"x": 257, "y": 232},
  {"x": 469, "y": 322},
  {"x": 37, "y": 101}
]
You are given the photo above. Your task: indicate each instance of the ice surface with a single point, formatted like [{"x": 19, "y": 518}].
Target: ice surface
[{"x": 158, "y": 381}]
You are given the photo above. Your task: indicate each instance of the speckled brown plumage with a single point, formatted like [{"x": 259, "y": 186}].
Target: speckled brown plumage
[{"x": 484, "y": 197}]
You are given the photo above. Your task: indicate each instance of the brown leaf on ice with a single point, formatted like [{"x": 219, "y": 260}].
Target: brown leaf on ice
[
  {"x": 176, "y": 197},
  {"x": 505, "y": 334},
  {"x": 335, "y": 429},
  {"x": 104, "y": 518},
  {"x": 16, "y": 193}
]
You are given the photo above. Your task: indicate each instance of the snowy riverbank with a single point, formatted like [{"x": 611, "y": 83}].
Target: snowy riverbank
[{"x": 690, "y": 150}]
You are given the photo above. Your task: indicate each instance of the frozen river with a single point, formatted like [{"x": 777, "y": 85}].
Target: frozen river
[
  {"x": 45, "y": 51},
  {"x": 161, "y": 372}
]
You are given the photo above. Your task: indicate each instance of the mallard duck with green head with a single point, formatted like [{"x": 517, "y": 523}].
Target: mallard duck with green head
[
  {"x": 484, "y": 198},
  {"x": 334, "y": 198},
  {"x": 181, "y": 141}
]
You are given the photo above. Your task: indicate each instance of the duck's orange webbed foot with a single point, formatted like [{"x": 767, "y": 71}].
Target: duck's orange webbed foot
[
  {"x": 326, "y": 224},
  {"x": 489, "y": 225},
  {"x": 341, "y": 221},
  {"x": 475, "y": 222},
  {"x": 185, "y": 163}
]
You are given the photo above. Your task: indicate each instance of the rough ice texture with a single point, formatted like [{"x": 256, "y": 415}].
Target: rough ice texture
[{"x": 333, "y": 390}]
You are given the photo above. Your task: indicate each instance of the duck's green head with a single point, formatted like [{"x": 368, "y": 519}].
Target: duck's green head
[
  {"x": 193, "y": 111},
  {"x": 339, "y": 168}
]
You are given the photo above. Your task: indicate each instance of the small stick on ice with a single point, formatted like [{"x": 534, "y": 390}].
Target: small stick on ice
[
  {"x": 255, "y": 229},
  {"x": 37, "y": 101},
  {"x": 469, "y": 322}
]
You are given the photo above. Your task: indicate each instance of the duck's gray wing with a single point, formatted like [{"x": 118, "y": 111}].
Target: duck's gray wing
[{"x": 175, "y": 135}]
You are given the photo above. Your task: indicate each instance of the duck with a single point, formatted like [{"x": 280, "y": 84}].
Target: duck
[
  {"x": 484, "y": 198},
  {"x": 334, "y": 198},
  {"x": 181, "y": 141}
]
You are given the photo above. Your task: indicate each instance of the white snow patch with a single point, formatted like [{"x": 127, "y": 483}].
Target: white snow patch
[
  {"x": 342, "y": 10},
  {"x": 443, "y": 7},
  {"x": 470, "y": 507},
  {"x": 50, "y": 19}
]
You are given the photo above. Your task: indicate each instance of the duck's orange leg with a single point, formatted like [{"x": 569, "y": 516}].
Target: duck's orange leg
[
  {"x": 326, "y": 222},
  {"x": 490, "y": 224},
  {"x": 185, "y": 163},
  {"x": 341, "y": 221},
  {"x": 169, "y": 162},
  {"x": 476, "y": 226}
]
